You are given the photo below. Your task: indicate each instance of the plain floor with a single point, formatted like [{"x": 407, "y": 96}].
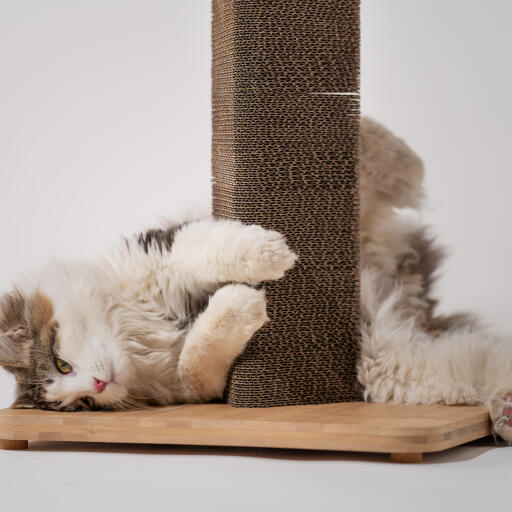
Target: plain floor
[{"x": 96, "y": 477}]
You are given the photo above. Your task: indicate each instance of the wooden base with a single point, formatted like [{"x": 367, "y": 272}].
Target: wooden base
[
  {"x": 6, "y": 444},
  {"x": 406, "y": 458},
  {"x": 405, "y": 431}
]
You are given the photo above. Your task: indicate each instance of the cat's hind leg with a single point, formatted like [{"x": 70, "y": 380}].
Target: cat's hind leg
[
  {"x": 501, "y": 417},
  {"x": 218, "y": 251},
  {"x": 217, "y": 337}
]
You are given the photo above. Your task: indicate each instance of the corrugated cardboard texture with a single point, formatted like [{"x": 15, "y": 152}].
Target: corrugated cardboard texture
[{"x": 285, "y": 156}]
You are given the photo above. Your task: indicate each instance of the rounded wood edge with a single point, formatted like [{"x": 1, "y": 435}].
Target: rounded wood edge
[
  {"x": 406, "y": 458},
  {"x": 6, "y": 444}
]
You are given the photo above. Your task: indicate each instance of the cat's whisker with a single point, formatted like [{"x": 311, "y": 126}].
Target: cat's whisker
[
  {"x": 134, "y": 405},
  {"x": 34, "y": 386},
  {"x": 126, "y": 407},
  {"x": 147, "y": 397}
]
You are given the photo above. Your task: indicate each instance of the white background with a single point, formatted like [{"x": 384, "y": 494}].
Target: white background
[{"x": 105, "y": 126}]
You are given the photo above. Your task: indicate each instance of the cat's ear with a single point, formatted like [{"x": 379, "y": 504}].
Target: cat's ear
[
  {"x": 13, "y": 332},
  {"x": 13, "y": 353}
]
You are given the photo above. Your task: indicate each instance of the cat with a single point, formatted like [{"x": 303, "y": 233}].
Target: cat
[
  {"x": 409, "y": 354},
  {"x": 158, "y": 321},
  {"x": 161, "y": 319}
]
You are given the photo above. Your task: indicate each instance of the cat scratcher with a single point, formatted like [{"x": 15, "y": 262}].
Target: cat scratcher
[
  {"x": 285, "y": 140},
  {"x": 285, "y": 145}
]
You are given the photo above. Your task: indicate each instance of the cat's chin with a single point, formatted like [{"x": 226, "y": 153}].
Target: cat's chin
[{"x": 113, "y": 394}]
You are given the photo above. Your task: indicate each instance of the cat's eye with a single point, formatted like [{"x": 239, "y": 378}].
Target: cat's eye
[{"x": 62, "y": 366}]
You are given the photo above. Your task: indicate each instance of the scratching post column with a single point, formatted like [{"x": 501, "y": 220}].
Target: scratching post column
[{"x": 285, "y": 146}]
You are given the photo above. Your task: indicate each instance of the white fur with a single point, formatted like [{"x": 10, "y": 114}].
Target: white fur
[
  {"x": 119, "y": 318},
  {"x": 402, "y": 364},
  {"x": 402, "y": 361},
  {"x": 235, "y": 312}
]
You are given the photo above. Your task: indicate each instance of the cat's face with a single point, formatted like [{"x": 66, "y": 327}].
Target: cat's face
[{"x": 63, "y": 355}]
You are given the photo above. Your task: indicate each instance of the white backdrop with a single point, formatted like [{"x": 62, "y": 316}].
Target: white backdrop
[
  {"x": 438, "y": 73},
  {"x": 105, "y": 126}
]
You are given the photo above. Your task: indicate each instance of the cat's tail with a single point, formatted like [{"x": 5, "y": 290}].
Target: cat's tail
[
  {"x": 391, "y": 174},
  {"x": 403, "y": 364}
]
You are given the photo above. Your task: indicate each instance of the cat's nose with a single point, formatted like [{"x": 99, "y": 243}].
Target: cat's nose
[{"x": 100, "y": 385}]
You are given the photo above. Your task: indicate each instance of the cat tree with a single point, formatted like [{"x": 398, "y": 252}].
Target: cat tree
[{"x": 285, "y": 143}]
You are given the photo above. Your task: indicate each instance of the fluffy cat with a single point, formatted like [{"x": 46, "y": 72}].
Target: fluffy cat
[
  {"x": 155, "y": 322},
  {"x": 158, "y": 321},
  {"x": 408, "y": 353}
]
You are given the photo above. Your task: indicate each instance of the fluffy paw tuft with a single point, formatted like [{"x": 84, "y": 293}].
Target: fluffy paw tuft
[
  {"x": 242, "y": 310},
  {"x": 269, "y": 256}
]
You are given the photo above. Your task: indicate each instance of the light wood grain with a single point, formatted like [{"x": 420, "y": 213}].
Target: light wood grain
[{"x": 347, "y": 426}]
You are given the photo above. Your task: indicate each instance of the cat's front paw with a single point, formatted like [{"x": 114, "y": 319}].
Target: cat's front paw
[
  {"x": 501, "y": 417},
  {"x": 269, "y": 256},
  {"x": 242, "y": 310}
]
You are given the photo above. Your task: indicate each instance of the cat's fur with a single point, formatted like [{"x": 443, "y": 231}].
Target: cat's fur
[
  {"x": 162, "y": 319},
  {"x": 408, "y": 353}
]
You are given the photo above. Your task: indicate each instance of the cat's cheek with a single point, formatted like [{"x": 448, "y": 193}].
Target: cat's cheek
[
  {"x": 61, "y": 390},
  {"x": 53, "y": 392}
]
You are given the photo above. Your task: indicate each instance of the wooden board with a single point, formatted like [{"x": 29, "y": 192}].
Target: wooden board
[{"x": 364, "y": 427}]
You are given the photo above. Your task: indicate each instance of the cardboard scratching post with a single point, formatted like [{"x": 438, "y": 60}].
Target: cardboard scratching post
[
  {"x": 285, "y": 147},
  {"x": 285, "y": 119}
]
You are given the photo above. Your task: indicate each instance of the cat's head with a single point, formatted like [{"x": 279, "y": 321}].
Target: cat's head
[{"x": 62, "y": 353}]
